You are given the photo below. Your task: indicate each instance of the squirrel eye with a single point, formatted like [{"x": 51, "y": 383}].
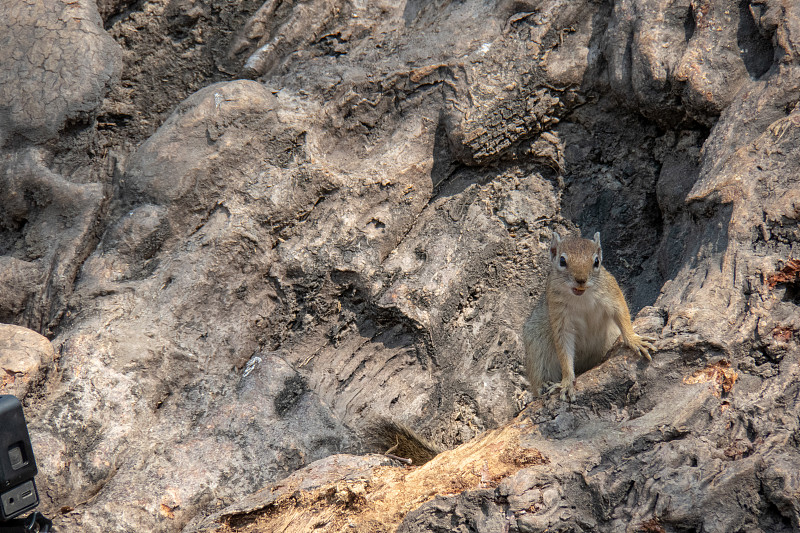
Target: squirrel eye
[
  {"x": 563, "y": 261},
  {"x": 596, "y": 262}
]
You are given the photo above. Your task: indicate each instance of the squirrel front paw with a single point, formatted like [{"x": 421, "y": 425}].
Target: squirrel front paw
[
  {"x": 567, "y": 388},
  {"x": 642, "y": 346}
]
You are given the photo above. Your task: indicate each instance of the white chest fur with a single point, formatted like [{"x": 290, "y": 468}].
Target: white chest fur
[{"x": 590, "y": 328}]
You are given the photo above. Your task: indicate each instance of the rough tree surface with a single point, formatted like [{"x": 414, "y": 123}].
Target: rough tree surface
[{"x": 233, "y": 232}]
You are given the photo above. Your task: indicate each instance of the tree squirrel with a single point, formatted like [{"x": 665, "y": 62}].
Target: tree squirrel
[{"x": 580, "y": 315}]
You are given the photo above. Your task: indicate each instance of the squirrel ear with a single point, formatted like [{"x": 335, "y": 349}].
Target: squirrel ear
[
  {"x": 554, "y": 244},
  {"x": 599, "y": 248}
]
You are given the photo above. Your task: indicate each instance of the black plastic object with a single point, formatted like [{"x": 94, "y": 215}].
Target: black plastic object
[{"x": 17, "y": 466}]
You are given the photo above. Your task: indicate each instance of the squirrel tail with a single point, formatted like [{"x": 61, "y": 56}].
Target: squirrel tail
[{"x": 389, "y": 437}]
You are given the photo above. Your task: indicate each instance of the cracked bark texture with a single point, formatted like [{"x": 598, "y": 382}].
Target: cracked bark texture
[
  {"x": 235, "y": 274},
  {"x": 46, "y": 78}
]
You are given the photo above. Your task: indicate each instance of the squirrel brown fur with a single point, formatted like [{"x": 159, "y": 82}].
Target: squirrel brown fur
[{"x": 580, "y": 315}]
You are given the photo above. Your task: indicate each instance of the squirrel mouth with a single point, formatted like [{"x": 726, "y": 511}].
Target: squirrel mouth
[{"x": 577, "y": 291}]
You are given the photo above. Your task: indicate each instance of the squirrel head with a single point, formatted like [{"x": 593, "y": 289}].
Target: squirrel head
[{"x": 576, "y": 262}]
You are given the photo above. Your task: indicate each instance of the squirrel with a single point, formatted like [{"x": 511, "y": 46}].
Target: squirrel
[{"x": 578, "y": 318}]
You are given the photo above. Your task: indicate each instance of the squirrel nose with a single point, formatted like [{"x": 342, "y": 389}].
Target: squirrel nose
[{"x": 580, "y": 281}]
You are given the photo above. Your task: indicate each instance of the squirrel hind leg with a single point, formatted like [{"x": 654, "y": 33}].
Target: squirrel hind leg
[
  {"x": 537, "y": 387},
  {"x": 544, "y": 388}
]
